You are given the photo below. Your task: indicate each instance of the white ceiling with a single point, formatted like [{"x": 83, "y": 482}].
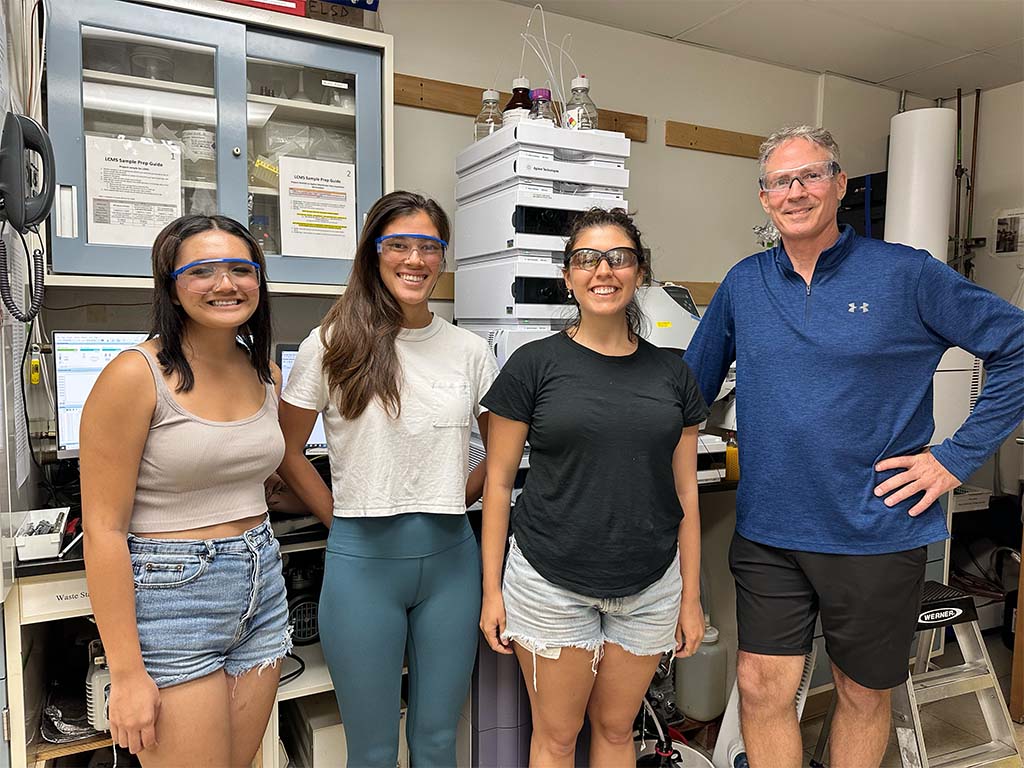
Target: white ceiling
[{"x": 929, "y": 47}]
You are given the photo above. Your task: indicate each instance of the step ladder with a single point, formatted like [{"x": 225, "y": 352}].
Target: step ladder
[{"x": 943, "y": 606}]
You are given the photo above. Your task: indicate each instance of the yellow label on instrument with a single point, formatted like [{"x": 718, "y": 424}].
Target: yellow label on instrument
[{"x": 664, "y": 323}]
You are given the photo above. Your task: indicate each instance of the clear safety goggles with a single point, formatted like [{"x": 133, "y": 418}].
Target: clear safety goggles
[
  {"x": 810, "y": 176},
  {"x": 398, "y": 246},
  {"x": 588, "y": 258},
  {"x": 208, "y": 274}
]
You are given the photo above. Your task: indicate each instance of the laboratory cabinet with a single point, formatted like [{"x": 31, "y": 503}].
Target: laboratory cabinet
[{"x": 159, "y": 109}]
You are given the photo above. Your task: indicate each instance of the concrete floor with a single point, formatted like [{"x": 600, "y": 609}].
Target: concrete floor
[{"x": 948, "y": 725}]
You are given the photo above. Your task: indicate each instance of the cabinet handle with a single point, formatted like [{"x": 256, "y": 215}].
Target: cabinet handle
[{"x": 66, "y": 211}]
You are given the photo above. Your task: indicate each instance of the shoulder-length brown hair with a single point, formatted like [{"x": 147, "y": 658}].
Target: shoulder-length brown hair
[
  {"x": 169, "y": 319},
  {"x": 359, "y": 330}
]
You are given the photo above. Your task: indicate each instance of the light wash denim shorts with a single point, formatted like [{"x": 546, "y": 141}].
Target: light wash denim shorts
[
  {"x": 205, "y": 605},
  {"x": 544, "y": 617}
]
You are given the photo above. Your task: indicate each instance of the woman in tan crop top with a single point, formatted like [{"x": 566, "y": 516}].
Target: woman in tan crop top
[{"x": 178, "y": 436}]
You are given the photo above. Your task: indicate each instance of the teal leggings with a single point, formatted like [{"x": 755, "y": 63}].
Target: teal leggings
[{"x": 397, "y": 587}]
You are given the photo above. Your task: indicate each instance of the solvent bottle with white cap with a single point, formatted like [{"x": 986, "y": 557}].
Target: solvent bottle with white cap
[
  {"x": 580, "y": 113},
  {"x": 489, "y": 120},
  {"x": 518, "y": 107}
]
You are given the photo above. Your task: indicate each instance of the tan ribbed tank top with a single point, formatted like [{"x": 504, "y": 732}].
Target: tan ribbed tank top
[{"x": 195, "y": 472}]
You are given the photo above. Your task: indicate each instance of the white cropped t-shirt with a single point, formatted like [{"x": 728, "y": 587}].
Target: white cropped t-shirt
[{"x": 417, "y": 462}]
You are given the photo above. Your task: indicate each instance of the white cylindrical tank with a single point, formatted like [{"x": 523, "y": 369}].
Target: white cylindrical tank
[{"x": 922, "y": 157}]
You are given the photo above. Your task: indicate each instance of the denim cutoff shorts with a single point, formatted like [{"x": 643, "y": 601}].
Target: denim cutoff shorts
[
  {"x": 205, "y": 605},
  {"x": 544, "y": 617}
]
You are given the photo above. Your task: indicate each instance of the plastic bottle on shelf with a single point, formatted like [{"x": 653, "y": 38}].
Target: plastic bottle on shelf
[
  {"x": 580, "y": 113},
  {"x": 518, "y": 107},
  {"x": 700, "y": 680},
  {"x": 260, "y": 230},
  {"x": 732, "y": 459},
  {"x": 541, "y": 110},
  {"x": 490, "y": 118},
  {"x": 199, "y": 151}
]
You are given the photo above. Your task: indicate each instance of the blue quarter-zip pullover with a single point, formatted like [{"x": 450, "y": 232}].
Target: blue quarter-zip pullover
[{"x": 834, "y": 376}]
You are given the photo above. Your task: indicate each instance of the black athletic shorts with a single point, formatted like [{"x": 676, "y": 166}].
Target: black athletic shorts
[{"x": 868, "y": 603}]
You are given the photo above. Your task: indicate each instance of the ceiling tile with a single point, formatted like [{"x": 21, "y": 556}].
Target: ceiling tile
[
  {"x": 808, "y": 36},
  {"x": 1012, "y": 54},
  {"x": 667, "y": 18},
  {"x": 978, "y": 70},
  {"x": 977, "y": 25}
]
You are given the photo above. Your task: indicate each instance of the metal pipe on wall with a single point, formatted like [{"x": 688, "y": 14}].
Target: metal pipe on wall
[
  {"x": 958, "y": 173},
  {"x": 972, "y": 179}
]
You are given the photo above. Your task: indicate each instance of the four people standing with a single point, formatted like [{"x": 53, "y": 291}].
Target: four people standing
[{"x": 835, "y": 337}]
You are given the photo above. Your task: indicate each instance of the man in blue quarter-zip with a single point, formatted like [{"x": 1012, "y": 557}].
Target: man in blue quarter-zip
[{"x": 836, "y": 339}]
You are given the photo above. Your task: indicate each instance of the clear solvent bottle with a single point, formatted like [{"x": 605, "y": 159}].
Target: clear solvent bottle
[
  {"x": 580, "y": 113},
  {"x": 542, "y": 110},
  {"x": 489, "y": 120}
]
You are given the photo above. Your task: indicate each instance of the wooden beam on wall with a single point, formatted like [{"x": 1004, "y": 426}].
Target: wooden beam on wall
[
  {"x": 706, "y": 139},
  {"x": 701, "y": 292},
  {"x": 457, "y": 99},
  {"x": 444, "y": 290}
]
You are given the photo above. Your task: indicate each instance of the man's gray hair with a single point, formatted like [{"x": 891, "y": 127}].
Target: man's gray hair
[{"x": 819, "y": 136}]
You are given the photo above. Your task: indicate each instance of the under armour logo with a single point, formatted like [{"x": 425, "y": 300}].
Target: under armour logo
[{"x": 854, "y": 307}]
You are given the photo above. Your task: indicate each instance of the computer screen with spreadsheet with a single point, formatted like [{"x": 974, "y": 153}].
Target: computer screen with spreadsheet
[
  {"x": 317, "y": 442},
  {"x": 78, "y": 359}
]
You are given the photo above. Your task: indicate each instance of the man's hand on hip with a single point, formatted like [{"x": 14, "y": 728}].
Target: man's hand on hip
[{"x": 922, "y": 474}]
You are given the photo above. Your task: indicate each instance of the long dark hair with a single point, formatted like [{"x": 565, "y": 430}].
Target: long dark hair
[
  {"x": 616, "y": 217},
  {"x": 359, "y": 330},
  {"x": 169, "y": 318}
]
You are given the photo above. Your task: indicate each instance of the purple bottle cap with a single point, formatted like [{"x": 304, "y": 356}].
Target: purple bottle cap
[{"x": 540, "y": 93}]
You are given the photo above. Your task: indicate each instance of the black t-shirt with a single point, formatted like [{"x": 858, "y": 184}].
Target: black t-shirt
[{"x": 599, "y": 513}]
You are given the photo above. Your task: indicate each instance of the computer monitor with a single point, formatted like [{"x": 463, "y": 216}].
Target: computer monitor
[
  {"x": 285, "y": 354},
  {"x": 78, "y": 359}
]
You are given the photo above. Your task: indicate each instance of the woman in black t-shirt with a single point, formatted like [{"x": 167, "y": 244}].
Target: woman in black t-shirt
[{"x": 603, "y": 568}]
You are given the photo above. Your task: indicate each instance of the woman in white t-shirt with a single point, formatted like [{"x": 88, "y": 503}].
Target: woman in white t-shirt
[{"x": 398, "y": 387}]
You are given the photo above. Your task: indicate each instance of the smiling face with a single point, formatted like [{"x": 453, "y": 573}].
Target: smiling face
[
  {"x": 410, "y": 277},
  {"x": 803, "y": 213},
  {"x": 604, "y": 291},
  {"x": 225, "y": 305}
]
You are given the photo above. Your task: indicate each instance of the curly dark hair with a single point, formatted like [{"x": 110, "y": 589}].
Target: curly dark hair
[{"x": 615, "y": 217}]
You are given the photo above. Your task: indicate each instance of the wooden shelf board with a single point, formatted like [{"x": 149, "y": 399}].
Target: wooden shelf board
[
  {"x": 701, "y": 292},
  {"x": 460, "y": 99},
  {"x": 707, "y": 139},
  {"x": 44, "y": 750}
]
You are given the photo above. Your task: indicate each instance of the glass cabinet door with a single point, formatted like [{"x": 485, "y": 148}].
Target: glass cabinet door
[
  {"x": 313, "y": 152},
  {"x": 140, "y": 111}
]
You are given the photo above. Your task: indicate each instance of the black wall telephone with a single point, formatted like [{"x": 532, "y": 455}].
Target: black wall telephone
[{"x": 19, "y": 207}]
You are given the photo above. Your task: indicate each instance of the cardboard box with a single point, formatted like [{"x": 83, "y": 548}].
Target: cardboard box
[
  {"x": 292, "y": 7},
  {"x": 324, "y": 10}
]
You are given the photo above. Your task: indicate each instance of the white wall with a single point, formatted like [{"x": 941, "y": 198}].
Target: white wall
[
  {"x": 696, "y": 209},
  {"x": 858, "y": 116},
  {"x": 999, "y": 176}
]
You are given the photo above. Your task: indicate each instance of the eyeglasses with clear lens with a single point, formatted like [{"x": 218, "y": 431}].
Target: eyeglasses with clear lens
[
  {"x": 810, "y": 176},
  {"x": 207, "y": 275},
  {"x": 617, "y": 258},
  {"x": 397, "y": 247}
]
